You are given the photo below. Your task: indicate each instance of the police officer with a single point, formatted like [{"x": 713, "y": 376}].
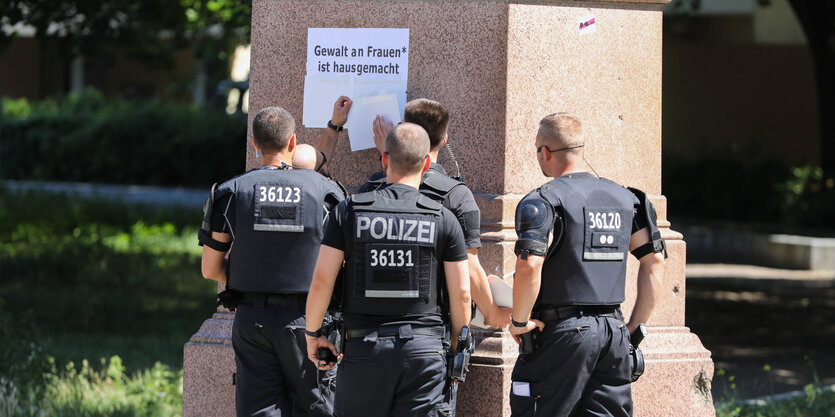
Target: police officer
[
  {"x": 395, "y": 242},
  {"x": 452, "y": 193},
  {"x": 566, "y": 293},
  {"x": 274, "y": 215}
]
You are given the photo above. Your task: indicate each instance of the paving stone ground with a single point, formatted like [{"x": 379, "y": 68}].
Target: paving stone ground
[{"x": 750, "y": 317}]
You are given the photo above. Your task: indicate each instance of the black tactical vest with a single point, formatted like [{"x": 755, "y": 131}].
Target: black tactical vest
[
  {"x": 588, "y": 265},
  {"x": 392, "y": 256},
  {"x": 277, "y": 229},
  {"x": 437, "y": 186}
]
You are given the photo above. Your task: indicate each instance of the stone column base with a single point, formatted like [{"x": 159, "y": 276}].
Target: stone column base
[
  {"x": 208, "y": 366},
  {"x": 677, "y": 377}
]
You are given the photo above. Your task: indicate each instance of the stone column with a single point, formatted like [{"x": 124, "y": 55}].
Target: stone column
[{"x": 499, "y": 66}]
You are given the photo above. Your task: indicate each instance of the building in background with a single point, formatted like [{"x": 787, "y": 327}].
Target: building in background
[
  {"x": 738, "y": 72},
  {"x": 35, "y": 69}
]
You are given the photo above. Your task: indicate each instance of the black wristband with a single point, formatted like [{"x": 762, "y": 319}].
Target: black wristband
[
  {"x": 334, "y": 127},
  {"x": 518, "y": 324},
  {"x": 317, "y": 333}
]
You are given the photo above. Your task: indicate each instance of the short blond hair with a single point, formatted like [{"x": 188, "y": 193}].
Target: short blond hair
[{"x": 562, "y": 130}]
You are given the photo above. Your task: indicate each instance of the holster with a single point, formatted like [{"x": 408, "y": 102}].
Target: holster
[
  {"x": 635, "y": 354},
  {"x": 529, "y": 342},
  {"x": 229, "y": 299},
  {"x": 457, "y": 363},
  {"x": 334, "y": 330},
  {"x": 637, "y": 363}
]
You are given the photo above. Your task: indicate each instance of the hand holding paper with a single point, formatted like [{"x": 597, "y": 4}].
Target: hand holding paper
[
  {"x": 381, "y": 131},
  {"x": 364, "y": 111},
  {"x": 340, "y": 110}
]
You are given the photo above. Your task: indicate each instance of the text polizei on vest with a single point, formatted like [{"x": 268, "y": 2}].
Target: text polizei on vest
[{"x": 391, "y": 228}]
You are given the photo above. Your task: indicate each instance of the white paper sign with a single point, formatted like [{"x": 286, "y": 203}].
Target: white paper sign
[
  {"x": 319, "y": 96},
  {"x": 321, "y": 93},
  {"x": 361, "y": 118},
  {"x": 381, "y": 54},
  {"x": 357, "y": 63}
]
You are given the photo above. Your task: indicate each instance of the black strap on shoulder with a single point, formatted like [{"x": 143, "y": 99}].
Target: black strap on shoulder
[
  {"x": 439, "y": 183},
  {"x": 428, "y": 203},
  {"x": 364, "y": 199},
  {"x": 208, "y": 208},
  {"x": 341, "y": 188},
  {"x": 205, "y": 238}
]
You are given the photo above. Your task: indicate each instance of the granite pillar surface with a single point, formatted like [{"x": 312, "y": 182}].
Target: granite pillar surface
[{"x": 499, "y": 66}]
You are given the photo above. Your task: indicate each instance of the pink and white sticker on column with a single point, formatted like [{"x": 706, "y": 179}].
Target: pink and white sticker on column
[{"x": 587, "y": 25}]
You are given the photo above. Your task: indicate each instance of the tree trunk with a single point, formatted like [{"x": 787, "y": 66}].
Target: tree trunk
[{"x": 818, "y": 20}]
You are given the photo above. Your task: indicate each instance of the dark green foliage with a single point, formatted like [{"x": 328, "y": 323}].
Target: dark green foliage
[
  {"x": 817, "y": 402},
  {"x": 85, "y": 280},
  {"x": 102, "y": 279},
  {"x": 88, "y": 138},
  {"x": 23, "y": 361},
  {"x": 746, "y": 185},
  {"x": 92, "y": 27}
]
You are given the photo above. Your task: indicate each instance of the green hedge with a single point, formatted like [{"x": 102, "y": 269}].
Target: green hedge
[
  {"x": 90, "y": 279},
  {"x": 747, "y": 185},
  {"x": 89, "y": 138}
]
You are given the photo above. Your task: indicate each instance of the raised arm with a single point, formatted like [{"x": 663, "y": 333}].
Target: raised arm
[{"x": 329, "y": 138}]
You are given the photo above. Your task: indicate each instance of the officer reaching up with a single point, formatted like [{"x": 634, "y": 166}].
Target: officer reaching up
[
  {"x": 451, "y": 192},
  {"x": 576, "y": 357},
  {"x": 395, "y": 243},
  {"x": 274, "y": 215}
]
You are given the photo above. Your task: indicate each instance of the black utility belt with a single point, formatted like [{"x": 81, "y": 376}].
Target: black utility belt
[
  {"x": 402, "y": 331},
  {"x": 562, "y": 313},
  {"x": 294, "y": 302}
]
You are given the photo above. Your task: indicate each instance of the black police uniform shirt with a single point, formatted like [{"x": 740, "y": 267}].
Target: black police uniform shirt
[
  {"x": 460, "y": 201},
  {"x": 451, "y": 248}
]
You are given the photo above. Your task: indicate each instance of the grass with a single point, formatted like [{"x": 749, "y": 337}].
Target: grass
[
  {"x": 86, "y": 280},
  {"x": 815, "y": 403},
  {"x": 86, "y": 392}
]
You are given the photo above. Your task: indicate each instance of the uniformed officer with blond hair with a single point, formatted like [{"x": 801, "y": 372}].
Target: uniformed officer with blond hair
[{"x": 574, "y": 236}]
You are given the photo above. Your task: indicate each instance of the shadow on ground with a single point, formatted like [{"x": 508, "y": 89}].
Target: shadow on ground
[{"x": 768, "y": 335}]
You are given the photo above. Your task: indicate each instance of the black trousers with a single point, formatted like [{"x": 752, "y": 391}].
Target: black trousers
[
  {"x": 274, "y": 377},
  {"x": 382, "y": 376},
  {"x": 582, "y": 368}
]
